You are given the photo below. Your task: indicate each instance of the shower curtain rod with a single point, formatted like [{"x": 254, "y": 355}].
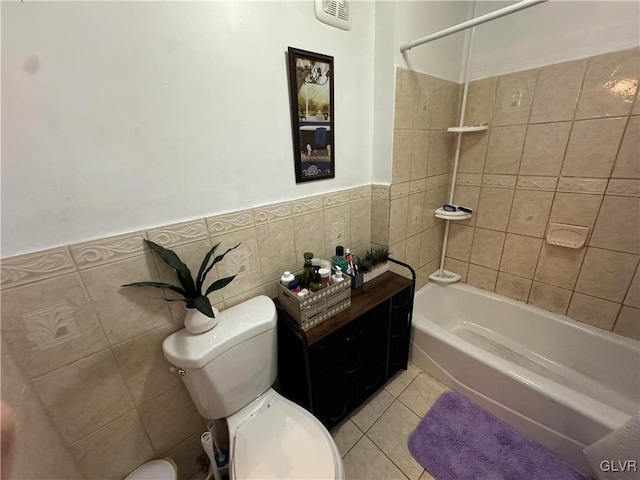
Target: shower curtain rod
[{"x": 472, "y": 23}]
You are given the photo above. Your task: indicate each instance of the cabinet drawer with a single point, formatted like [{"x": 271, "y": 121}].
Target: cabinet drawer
[
  {"x": 401, "y": 300},
  {"x": 369, "y": 382}
]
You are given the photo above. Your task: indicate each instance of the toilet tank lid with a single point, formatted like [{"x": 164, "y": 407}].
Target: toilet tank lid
[{"x": 235, "y": 326}]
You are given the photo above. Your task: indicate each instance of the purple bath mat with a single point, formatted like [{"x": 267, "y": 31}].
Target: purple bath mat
[{"x": 458, "y": 440}]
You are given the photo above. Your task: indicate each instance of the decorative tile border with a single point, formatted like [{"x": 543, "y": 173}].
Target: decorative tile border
[
  {"x": 35, "y": 266},
  {"x": 499, "y": 181},
  {"x": 417, "y": 186},
  {"x": 108, "y": 250},
  {"x": 271, "y": 213},
  {"x": 470, "y": 179},
  {"x": 624, "y": 187},
  {"x": 537, "y": 183},
  {"x": 360, "y": 193},
  {"x": 179, "y": 233},
  {"x": 399, "y": 190},
  {"x": 230, "y": 222},
  {"x": 582, "y": 185},
  {"x": 336, "y": 198},
  {"x": 444, "y": 179},
  {"x": 303, "y": 206},
  {"x": 433, "y": 182}
]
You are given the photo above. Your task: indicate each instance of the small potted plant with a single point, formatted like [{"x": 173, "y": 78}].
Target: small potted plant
[
  {"x": 374, "y": 263},
  {"x": 201, "y": 315}
]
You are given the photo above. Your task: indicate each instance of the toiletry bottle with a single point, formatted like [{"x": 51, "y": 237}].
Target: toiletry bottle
[
  {"x": 307, "y": 270},
  {"x": 294, "y": 286},
  {"x": 287, "y": 278},
  {"x": 325, "y": 274},
  {"x": 317, "y": 283},
  {"x": 337, "y": 277},
  {"x": 338, "y": 259}
]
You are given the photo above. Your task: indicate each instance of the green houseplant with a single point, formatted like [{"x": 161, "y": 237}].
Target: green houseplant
[
  {"x": 374, "y": 263},
  {"x": 201, "y": 315}
]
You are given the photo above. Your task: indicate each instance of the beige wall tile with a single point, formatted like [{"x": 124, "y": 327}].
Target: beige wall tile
[
  {"x": 412, "y": 251},
  {"x": 422, "y": 103},
  {"x": 398, "y": 251},
  {"x": 513, "y": 287},
  {"x": 592, "y": 148},
  {"x": 469, "y": 197},
  {"x": 559, "y": 266},
  {"x": 35, "y": 266},
  {"x": 405, "y": 95},
  {"x": 487, "y": 248},
  {"x": 520, "y": 255},
  {"x": 547, "y": 184},
  {"x": 179, "y": 233},
  {"x": 593, "y": 186},
  {"x": 499, "y": 181},
  {"x": 38, "y": 451},
  {"x": 334, "y": 199},
  {"x": 114, "y": 451},
  {"x": 106, "y": 250},
  {"x": 480, "y": 101},
  {"x": 428, "y": 245},
  {"x": 601, "y": 93},
  {"x": 623, "y": 187},
  {"x": 50, "y": 324},
  {"x": 456, "y": 266},
  {"x": 440, "y": 152},
  {"x": 380, "y": 221},
  {"x": 548, "y": 297},
  {"x": 84, "y": 396},
  {"x": 575, "y": 209},
  {"x": 628, "y": 323},
  {"x": 276, "y": 247},
  {"x": 360, "y": 228},
  {"x": 430, "y": 205},
  {"x": 187, "y": 456},
  {"x": 513, "y": 98},
  {"x": 337, "y": 229},
  {"x": 398, "y": 218},
  {"x": 505, "y": 149},
  {"x": 304, "y": 206},
  {"x": 308, "y": 232},
  {"x": 126, "y": 312},
  {"x": 401, "y": 170},
  {"x": 143, "y": 365},
  {"x": 633, "y": 295},
  {"x": 482, "y": 277},
  {"x": 170, "y": 418},
  {"x": 493, "y": 208},
  {"x": 459, "y": 242},
  {"x": 473, "y": 152},
  {"x": 544, "y": 148},
  {"x": 628, "y": 160},
  {"x": 557, "y": 91},
  {"x": 415, "y": 213},
  {"x": 530, "y": 212},
  {"x": 244, "y": 262},
  {"x": 606, "y": 274},
  {"x": 13, "y": 383},
  {"x": 272, "y": 213},
  {"x": 594, "y": 311},
  {"x": 419, "y": 153},
  {"x": 617, "y": 226},
  {"x": 229, "y": 222}
]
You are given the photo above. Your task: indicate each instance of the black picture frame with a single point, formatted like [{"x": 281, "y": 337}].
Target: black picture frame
[{"x": 311, "y": 79}]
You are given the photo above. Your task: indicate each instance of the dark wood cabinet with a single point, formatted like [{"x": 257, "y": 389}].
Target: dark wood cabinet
[{"x": 335, "y": 366}]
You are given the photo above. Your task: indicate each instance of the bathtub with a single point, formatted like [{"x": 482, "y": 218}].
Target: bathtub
[{"x": 561, "y": 383}]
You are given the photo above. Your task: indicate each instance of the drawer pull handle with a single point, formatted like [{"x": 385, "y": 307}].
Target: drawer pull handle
[
  {"x": 336, "y": 418},
  {"x": 355, "y": 337},
  {"x": 351, "y": 372},
  {"x": 373, "y": 385},
  {"x": 396, "y": 335},
  {"x": 398, "y": 307}
]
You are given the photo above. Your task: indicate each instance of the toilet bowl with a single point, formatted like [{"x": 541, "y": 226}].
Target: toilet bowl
[
  {"x": 163, "y": 469},
  {"x": 228, "y": 372}
]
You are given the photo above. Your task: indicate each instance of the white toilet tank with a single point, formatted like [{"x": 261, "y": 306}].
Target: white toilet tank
[{"x": 231, "y": 365}]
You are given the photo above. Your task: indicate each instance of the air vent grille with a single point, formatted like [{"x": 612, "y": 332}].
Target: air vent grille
[{"x": 334, "y": 12}]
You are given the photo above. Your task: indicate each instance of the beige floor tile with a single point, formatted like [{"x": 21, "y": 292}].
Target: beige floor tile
[
  {"x": 367, "y": 414},
  {"x": 391, "y": 433},
  {"x": 187, "y": 456},
  {"x": 401, "y": 380},
  {"x": 346, "y": 434},
  {"x": 422, "y": 393},
  {"x": 365, "y": 461},
  {"x": 426, "y": 476}
]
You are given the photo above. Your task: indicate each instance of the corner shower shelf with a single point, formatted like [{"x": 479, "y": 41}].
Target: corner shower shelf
[
  {"x": 458, "y": 215},
  {"x": 470, "y": 128}
]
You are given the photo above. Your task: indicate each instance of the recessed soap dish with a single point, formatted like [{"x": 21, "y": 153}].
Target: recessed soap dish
[{"x": 570, "y": 236}]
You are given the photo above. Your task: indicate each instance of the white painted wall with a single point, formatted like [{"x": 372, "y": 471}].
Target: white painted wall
[
  {"x": 552, "y": 32},
  {"x": 118, "y": 116}
]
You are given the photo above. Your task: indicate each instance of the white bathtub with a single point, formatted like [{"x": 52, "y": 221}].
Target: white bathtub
[{"x": 561, "y": 383}]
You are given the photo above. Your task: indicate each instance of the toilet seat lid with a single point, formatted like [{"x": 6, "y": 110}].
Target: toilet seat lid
[
  {"x": 153, "y": 470},
  {"x": 283, "y": 442}
]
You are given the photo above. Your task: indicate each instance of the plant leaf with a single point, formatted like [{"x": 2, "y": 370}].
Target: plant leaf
[
  {"x": 216, "y": 260},
  {"x": 218, "y": 284},
  {"x": 156, "y": 285},
  {"x": 171, "y": 259},
  {"x": 175, "y": 299},
  {"x": 205, "y": 262},
  {"x": 204, "y": 305}
]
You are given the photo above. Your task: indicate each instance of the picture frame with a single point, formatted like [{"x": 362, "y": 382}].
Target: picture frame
[{"x": 311, "y": 83}]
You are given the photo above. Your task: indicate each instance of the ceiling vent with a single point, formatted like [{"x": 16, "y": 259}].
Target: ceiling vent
[{"x": 336, "y": 13}]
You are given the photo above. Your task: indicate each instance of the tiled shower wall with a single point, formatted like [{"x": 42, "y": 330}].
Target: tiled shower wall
[
  {"x": 563, "y": 146},
  {"x": 82, "y": 362}
]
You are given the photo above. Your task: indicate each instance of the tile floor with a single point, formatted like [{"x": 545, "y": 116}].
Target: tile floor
[{"x": 373, "y": 440}]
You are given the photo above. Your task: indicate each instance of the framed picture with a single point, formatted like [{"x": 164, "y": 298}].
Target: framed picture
[{"x": 311, "y": 80}]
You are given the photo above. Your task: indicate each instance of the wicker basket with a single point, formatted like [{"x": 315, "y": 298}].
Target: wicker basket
[{"x": 316, "y": 307}]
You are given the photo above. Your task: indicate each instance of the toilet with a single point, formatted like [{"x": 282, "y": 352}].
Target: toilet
[
  {"x": 163, "y": 469},
  {"x": 228, "y": 372}
]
